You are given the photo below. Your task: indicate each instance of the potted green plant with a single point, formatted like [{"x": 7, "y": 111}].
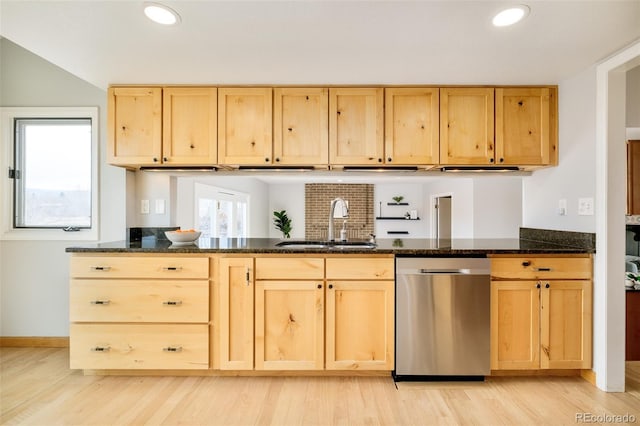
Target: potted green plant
[
  {"x": 282, "y": 223},
  {"x": 398, "y": 199}
]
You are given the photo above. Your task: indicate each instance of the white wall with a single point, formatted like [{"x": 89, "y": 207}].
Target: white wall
[
  {"x": 633, "y": 97},
  {"x": 461, "y": 191},
  {"x": 497, "y": 206},
  {"x": 289, "y": 197},
  {"x": 575, "y": 175},
  {"x": 34, "y": 277},
  {"x": 152, "y": 186}
]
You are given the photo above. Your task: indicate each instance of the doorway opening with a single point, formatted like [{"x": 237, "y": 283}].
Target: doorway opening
[
  {"x": 220, "y": 213},
  {"x": 442, "y": 217}
]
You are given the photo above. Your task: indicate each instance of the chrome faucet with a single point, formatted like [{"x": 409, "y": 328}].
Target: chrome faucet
[{"x": 345, "y": 213}]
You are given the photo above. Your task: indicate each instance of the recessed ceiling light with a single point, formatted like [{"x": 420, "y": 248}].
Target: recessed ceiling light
[
  {"x": 510, "y": 16},
  {"x": 161, "y": 14}
]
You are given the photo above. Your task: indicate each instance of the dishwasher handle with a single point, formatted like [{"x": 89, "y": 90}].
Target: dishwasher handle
[
  {"x": 458, "y": 271},
  {"x": 444, "y": 271}
]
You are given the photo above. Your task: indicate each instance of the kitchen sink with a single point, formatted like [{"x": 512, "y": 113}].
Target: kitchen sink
[
  {"x": 346, "y": 245},
  {"x": 337, "y": 245},
  {"x": 303, "y": 244}
]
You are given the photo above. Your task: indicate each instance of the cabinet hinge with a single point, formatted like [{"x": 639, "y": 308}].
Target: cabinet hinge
[{"x": 14, "y": 174}]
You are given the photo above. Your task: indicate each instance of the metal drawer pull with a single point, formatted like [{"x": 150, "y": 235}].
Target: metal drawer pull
[
  {"x": 172, "y": 302},
  {"x": 101, "y": 349},
  {"x": 172, "y": 349},
  {"x": 100, "y": 302},
  {"x": 544, "y": 269},
  {"x": 172, "y": 268},
  {"x": 101, "y": 268}
]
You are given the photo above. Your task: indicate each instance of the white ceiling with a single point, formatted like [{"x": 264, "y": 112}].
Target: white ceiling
[{"x": 321, "y": 42}]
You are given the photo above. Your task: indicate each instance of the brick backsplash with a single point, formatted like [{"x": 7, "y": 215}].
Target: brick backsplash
[{"x": 318, "y": 198}]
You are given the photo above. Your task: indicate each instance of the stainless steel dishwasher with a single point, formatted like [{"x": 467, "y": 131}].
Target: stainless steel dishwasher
[{"x": 442, "y": 318}]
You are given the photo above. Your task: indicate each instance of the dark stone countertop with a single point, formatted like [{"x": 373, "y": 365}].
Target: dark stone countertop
[{"x": 397, "y": 246}]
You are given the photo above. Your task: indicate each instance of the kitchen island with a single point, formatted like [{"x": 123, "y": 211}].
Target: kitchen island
[{"x": 249, "y": 306}]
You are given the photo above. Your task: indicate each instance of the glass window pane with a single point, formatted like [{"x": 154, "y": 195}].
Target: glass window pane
[{"x": 53, "y": 157}]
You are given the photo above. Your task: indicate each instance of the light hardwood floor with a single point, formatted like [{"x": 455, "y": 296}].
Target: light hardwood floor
[{"x": 37, "y": 388}]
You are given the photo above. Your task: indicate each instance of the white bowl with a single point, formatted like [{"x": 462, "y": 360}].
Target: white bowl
[{"x": 183, "y": 237}]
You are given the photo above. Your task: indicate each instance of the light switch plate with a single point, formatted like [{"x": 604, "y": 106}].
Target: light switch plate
[
  {"x": 562, "y": 207},
  {"x": 144, "y": 206},
  {"x": 159, "y": 206},
  {"x": 585, "y": 207}
]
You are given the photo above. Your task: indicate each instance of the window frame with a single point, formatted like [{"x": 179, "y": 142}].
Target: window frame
[{"x": 7, "y": 135}]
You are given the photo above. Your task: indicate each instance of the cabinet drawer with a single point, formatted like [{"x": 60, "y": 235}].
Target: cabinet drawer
[
  {"x": 360, "y": 268},
  {"x": 150, "y": 346},
  {"x": 139, "y": 301},
  {"x": 139, "y": 267},
  {"x": 541, "y": 267},
  {"x": 289, "y": 268}
]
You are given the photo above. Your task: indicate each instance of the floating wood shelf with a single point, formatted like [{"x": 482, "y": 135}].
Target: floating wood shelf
[
  {"x": 397, "y": 232},
  {"x": 397, "y": 204}
]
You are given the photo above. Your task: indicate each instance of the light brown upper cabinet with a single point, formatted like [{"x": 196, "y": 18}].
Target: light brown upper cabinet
[
  {"x": 525, "y": 126},
  {"x": 189, "y": 126},
  {"x": 466, "y": 126},
  {"x": 633, "y": 177},
  {"x": 134, "y": 126},
  {"x": 245, "y": 126},
  {"x": 356, "y": 124},
  {"x": 411, "y": 126},
  {"x": 301, "y": 126}
]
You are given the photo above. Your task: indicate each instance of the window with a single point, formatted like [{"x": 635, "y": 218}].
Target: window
[
  {"x": 50, "y": 185},
  {"x": 221, "y": 213}
]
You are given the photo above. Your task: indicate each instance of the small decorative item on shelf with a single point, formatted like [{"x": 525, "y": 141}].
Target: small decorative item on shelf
[
  {"x": 398, "y": 199},
  {"x": 407, "y": 215},
  {"x": 282, "y": 223}
]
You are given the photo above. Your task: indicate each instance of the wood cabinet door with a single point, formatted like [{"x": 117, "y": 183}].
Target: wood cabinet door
[
  {"x": 566, "y": 324},
  {"x": 356, "y": 124},
  {"x": 467, "y": 126},
  {"x": 522, "y": 126},
  {"x": 633, "y": 177},
  {"x": 411, "y": 126},
  {"x": 360, "y": 325},
  {"x": 134, "y": 126},
  {"x": 245, "y": 126},
  {"x": 515, "y": 325},
  {"x": 289, "y": 331},
  {"x": 301, "y": 126},
  {"x": 236, "y": 313},
  {"x": 189, "y": 126}
]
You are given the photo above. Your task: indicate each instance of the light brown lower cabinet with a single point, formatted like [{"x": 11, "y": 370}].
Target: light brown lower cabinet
[
  {"x": 541, "y": 323},
  {"x": 139, "y": 346},
  {"x": 133, "y": 312},
  {"x": 360, "y": 325},
  {"x": 289, "y": 325},
  {"x": 304, "y": 315},
  {"x": 235, "y": 307}
]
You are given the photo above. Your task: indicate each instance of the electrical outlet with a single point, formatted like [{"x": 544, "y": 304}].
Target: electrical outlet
[
  {"x": 144, "y": 206},
  {"x": 562, "y": 207},
  {"x": 585, "y": 207}
]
